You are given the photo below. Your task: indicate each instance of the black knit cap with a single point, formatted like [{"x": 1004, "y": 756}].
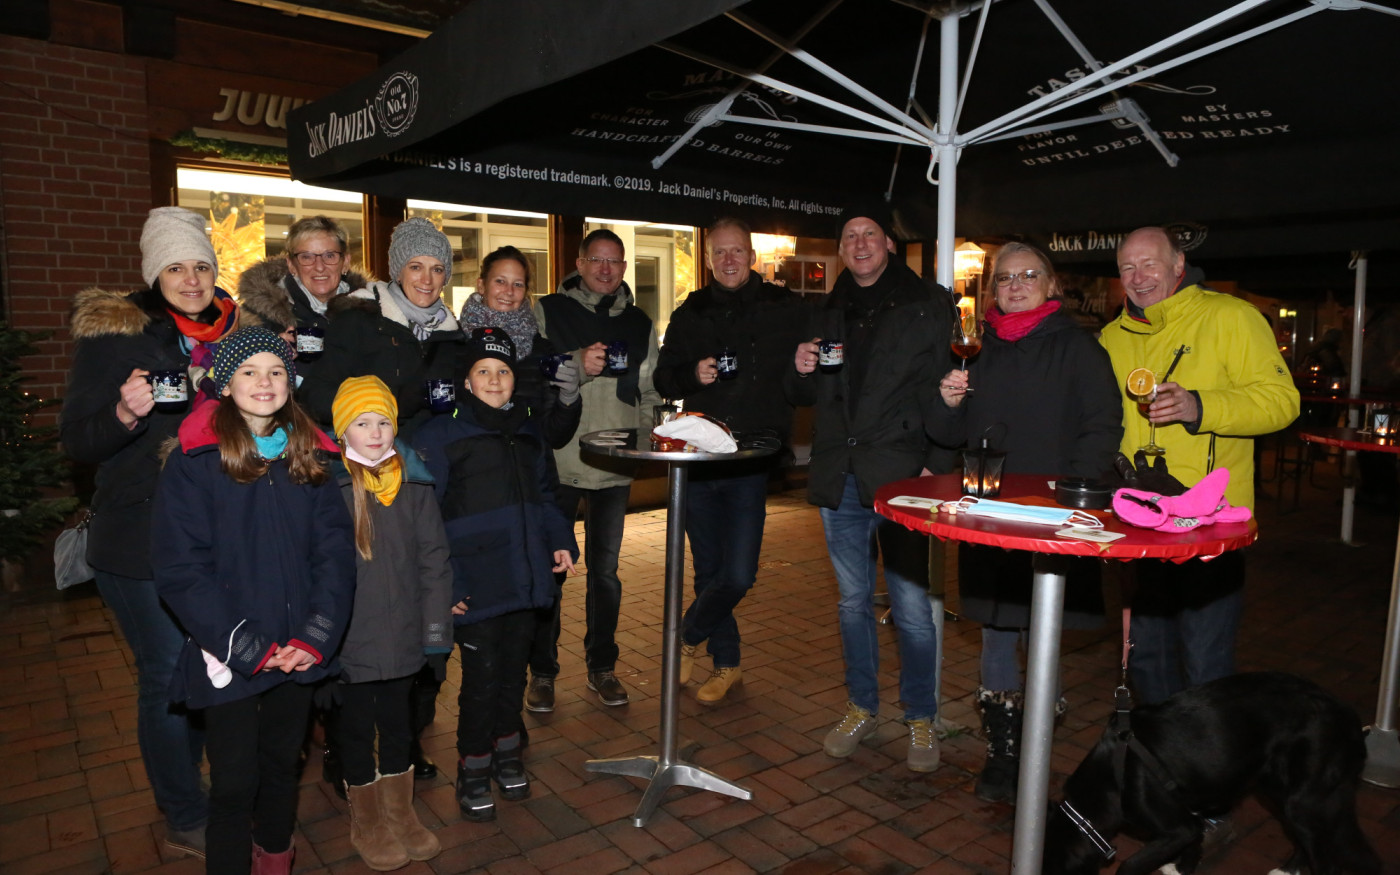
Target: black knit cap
[
  {"x": 874, "y": 209},
  {"x": 489, "y": 342}
]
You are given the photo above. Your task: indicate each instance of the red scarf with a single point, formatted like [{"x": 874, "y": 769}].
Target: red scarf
[
  {"x": 1011, "y": 327},
  {"x": 202, "y": 332}
]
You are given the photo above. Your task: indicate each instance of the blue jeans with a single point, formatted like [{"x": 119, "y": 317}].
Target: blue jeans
[
  {"x": 1185, "y": 619},
  {"x": 171, "y": 746},
  {"x": 724, "y": 519},
  {"x": 852, "y": 534},
  {"x": 604, "y": 515}
]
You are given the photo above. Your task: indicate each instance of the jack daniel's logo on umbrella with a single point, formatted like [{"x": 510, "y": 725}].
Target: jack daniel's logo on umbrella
[{"x": 396, "y": 103}]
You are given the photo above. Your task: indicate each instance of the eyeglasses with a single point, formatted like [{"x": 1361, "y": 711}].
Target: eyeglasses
[
  {"x": 306, "y": 259},
  {"x": 610, "y": 262},
  {"x": 1025, "y": 277}
]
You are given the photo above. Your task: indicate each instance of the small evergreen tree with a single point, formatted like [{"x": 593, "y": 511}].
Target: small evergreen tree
[{"x": 30, "y": 460}]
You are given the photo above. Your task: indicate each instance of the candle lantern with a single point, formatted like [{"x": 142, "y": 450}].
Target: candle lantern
[
  {"x": 1382, "y": 422},
  {"x": 982, "y": 469}
]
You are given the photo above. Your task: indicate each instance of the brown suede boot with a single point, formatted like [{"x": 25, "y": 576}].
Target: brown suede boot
[
  {"x": 370, "y": 833},
  {"x": 396, "y": 802}
]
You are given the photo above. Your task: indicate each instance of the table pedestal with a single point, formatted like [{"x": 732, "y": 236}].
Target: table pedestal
[
  {"x": 666, "y": 770},
  {"x": 1382, "y": 741},
  {"x": 1038, "y": 721}
]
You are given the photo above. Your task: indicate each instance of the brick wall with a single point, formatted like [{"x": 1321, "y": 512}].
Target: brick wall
[{"x": 74, "y": 186}]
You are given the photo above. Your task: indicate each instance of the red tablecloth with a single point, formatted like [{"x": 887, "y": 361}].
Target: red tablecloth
[{"x": 1205, "y": 541}]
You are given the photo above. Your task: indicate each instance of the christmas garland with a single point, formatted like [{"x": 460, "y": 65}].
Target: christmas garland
[{"x": 233, "y": 150}]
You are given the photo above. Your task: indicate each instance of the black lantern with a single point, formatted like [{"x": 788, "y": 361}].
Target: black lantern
[{"x": 982, "y": 469}]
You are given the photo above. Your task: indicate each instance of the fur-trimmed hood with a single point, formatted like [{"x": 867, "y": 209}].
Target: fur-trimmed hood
[
  {"x": 375, "y": 300},
  {"x": 98, "y": 312},
  {"x": 263, "y": 295}
]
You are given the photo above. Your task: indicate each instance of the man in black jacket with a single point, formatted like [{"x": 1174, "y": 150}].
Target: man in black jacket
[
  {"x": 726, "y": 355},
  {"x": 873, "y": 417}
]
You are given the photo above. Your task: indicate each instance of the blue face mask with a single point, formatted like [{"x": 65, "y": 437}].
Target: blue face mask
[{"x": 1027, "y": 513}]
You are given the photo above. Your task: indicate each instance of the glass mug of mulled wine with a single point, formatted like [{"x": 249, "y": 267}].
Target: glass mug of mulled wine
[{"x": 170, "y": 390}]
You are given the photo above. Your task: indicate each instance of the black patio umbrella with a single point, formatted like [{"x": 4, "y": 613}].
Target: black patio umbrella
[{"x": 1269, "y": 141}]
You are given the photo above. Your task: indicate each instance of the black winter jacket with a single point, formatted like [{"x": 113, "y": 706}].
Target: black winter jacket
[
  {"x": 369, "y": 335},
  {"x": 497, "y": 501},
  {"x": 403, "y": 596},
  {"x": 115, "y": 333},
  {"x": 1050, "y": 400},
  {"x": 881, "y": 432},
  {"x": 763, "y": 324}
]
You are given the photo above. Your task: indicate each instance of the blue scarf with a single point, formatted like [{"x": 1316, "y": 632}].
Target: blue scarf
[{"x": 272, "y": 446}]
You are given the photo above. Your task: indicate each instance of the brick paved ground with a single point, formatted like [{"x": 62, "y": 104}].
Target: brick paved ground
[{"x": 74, "y": 796}]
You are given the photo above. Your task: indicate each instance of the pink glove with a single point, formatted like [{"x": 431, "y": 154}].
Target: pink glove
[{"x": 1201, "y": 505}]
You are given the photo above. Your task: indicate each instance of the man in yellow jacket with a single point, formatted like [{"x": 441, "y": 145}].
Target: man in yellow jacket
[{"x": 1230, "y": 385}]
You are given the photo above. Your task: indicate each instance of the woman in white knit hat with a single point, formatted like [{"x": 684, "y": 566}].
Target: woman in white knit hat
[{"x": 131, "y": 345}]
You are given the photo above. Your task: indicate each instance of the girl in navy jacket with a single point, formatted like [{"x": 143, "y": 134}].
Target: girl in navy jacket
[
  {"x": 253, "y": 551},
  {"x": 507, "y": 537}
]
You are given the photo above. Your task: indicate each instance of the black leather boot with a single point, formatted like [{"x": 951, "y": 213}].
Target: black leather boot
[{"x": 1001, "y": 724}]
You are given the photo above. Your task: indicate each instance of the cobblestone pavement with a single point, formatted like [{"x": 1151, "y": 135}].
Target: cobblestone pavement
[{"x": 74, "y": 795}]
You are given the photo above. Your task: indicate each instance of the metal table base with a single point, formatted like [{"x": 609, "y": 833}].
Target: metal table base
[{"x": 667, "y": 770}]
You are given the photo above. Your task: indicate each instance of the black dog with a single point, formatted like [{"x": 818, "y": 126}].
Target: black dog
[{"x": 1199, "y": 753}]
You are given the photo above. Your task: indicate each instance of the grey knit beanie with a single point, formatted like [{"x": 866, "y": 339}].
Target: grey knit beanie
[
  {"x": 413, "y": 237},
  {"x": 172, "y": 234}
]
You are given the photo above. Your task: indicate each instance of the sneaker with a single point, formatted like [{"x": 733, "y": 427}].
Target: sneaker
[
  {"x": 540, "y": 695},
  {"x": 718, "y": 685},
  {"x": 609, "y": 689},
  {"x": 186, "y": 841},
  {"x": 923, "y": 753},
  {"x": 687, "y": 661},
  {"x": 847, "y": 735},
  {"x": 474, "y": 794}
]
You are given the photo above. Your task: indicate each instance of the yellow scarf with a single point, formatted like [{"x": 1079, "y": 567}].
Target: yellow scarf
[{"x": 384, "y": 481}]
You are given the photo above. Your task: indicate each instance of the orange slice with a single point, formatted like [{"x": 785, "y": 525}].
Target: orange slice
[{"x": 1141, "y": 382}]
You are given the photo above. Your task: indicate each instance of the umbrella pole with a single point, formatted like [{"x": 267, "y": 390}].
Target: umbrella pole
[{"x": 1358, "y": 319}]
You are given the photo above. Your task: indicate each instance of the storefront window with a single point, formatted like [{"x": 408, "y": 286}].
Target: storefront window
[
  {"x": 475, "y": 232},
  {"x": 249, "y": 215}
]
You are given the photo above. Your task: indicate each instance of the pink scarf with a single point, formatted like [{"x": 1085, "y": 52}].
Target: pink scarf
[{"x": 1011, "y": 327}]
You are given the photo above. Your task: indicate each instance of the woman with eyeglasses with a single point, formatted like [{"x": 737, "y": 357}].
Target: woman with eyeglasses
[
  {"x": 1043, "y": 390},
  {"x": 399, "y": 331},
  {"x": 288, "y": 292}
]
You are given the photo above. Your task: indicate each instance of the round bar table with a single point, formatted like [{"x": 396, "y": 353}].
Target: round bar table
[
  {"x": 666, "y": 770},
  {"x": 1047, "y": 602},
  {"x": 1383, "y": 740}
]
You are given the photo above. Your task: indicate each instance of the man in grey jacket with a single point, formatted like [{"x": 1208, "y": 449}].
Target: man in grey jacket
[{"x": 593, "y": 315}]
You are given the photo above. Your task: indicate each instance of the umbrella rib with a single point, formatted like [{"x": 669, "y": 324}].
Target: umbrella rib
[
  {"x": 833, "y": 74},
  {"x": 822, "y": 129},
  {"x": 1054, "y": 101},
  {"x": 1053, "y": 126},
  {"x": 762, "y": 79},
  {"x": 734, "y": 92}
]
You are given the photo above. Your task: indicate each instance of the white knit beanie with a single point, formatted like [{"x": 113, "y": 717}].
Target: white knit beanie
[
  {"x": 170, "y": 235},
  {"x": 413, "y": 237}
]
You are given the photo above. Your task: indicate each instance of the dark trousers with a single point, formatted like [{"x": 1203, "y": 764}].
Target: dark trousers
[
  {"x": 1185, "y": 620},
  {"x": 604, "y": 515},
  {"x": 374, "y": 705},
  {"x": 253, "y": 746},
  {"x": 494, "y": 655},
  {"x": 724, "y": 519}
]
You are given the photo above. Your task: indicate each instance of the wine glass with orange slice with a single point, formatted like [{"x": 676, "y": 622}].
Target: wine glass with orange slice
[
  {"x": 967, "y": 338},
  {"x": 1142, "y": 388}
]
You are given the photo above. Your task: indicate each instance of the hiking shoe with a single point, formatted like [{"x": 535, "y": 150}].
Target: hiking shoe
[
  {"x": 846, "y": 736},
  {"x": 687, "y": 661},
  {"x": 609, "y": 689},
  {"x": 186, "y": 841},
  {"x": 509, "y": 771},
  {"x": 718, "y": 685},
  {"x": 923, "y": 755},
  {"x": 540, "y": 695}
]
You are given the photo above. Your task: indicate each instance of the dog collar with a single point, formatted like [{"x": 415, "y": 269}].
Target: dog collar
[{"x": 1083, "y": 824}]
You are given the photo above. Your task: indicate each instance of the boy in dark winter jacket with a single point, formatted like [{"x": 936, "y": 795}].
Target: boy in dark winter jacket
[{"x": 507, "y": 538}]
